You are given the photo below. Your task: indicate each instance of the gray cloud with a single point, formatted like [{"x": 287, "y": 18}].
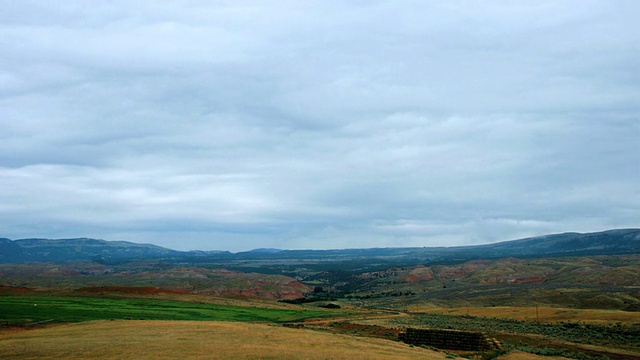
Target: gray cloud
[{"x": 319, "y": 125}]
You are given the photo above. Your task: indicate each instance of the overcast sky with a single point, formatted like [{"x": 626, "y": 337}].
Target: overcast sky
[{"x": 235, "y": 125}]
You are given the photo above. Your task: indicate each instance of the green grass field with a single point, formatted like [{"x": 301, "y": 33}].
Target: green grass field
[{"x": 15, "y": 310}]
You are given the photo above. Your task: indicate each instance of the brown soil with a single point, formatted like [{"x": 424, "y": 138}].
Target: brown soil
[
  {"x": 364, "y": 330},
  {"x": 14, "y": 290},
  {"x": 101, "y": 290}
]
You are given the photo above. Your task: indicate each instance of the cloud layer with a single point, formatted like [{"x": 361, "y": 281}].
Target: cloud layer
[{"x": 323, "y": 124}]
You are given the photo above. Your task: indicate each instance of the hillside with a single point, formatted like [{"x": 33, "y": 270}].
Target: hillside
[
  {"x": 85, "y": 249},
  {"x": 604, "y": 270},
  {"x": 94, "y": 278},
  {"x": 607, "y": 282},
  {"x": 197, "y": 340},
  {"x": 621, "y": 241},
  {"x": 612, "y": 242}
]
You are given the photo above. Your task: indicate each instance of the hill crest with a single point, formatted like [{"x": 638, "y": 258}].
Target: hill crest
[{"x": 610, "y": 242}]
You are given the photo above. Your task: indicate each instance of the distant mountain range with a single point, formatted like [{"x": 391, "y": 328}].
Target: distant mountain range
[
  {"x": 611, "y": 242},
  {"x": 85, "y": 249}
]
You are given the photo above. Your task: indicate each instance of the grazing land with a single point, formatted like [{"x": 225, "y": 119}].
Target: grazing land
[
  {"x": 577, "y": 339},
  {"x": 570, "y": 333},
  {"x": 197, "y": 340},
  {"x": 564, "y": 296},
  {"x": 20, "y": 310}
]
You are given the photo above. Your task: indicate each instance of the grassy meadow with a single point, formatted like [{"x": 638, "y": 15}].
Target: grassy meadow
[
  {"x": 17, "y": 310},
  {"x": 80, "y": 327}
]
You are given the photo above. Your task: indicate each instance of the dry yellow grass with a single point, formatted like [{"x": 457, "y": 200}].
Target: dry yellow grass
[
  {"x": 545, "y": 314},
  {"x": 518, "y": 355},
  {"x": 195, "y": 340}
]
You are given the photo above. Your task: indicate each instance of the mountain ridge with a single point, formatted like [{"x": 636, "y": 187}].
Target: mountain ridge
[{"x": 608, "y": 242}]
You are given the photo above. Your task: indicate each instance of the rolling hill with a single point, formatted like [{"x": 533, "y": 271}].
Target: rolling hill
[{"x": 611, "y": 242}]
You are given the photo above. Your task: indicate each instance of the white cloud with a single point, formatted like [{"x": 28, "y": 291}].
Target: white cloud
[{"x": 323, "y": 124}]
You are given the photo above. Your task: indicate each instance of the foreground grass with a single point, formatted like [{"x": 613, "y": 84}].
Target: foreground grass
[
  {"x": 196, "y": 340},
  {"x": 15, "y": 310}
]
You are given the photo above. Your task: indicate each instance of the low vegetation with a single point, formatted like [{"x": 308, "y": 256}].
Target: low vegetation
[
  {"x": 537, "y": 314},
  {"x": 618, "y": 334},
  {"x": 332, "y": 304},
  {"x": 568, "y": 339},
  {"x": 17, "y": 310}
]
